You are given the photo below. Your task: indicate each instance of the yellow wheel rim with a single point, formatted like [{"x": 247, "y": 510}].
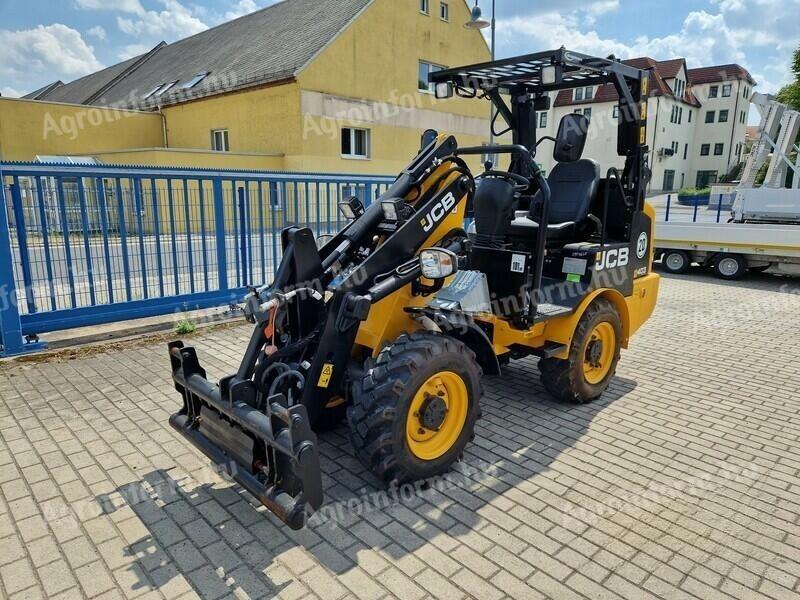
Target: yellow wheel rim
[
  {"x": 437, "y": 415},
  {"x": 598, "y": 353}
]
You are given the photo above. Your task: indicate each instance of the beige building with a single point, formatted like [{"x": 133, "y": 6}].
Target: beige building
[{"x": 697, "y": 119}]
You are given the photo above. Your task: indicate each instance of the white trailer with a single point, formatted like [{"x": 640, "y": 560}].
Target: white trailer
[{"x": 729, "y": 248}]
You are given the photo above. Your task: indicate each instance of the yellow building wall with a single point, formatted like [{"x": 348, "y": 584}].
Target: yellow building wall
[
  {"x": 203, "y": 159},
  {"x": 30, "y": 127},
  {"x": 264, "y": 120},
  {"x": 377, "y": 59}
]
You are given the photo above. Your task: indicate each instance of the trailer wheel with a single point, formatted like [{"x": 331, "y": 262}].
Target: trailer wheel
[
  {"x": 593, "y": 357},
  {"x": 730, "y": 266},
  {"x": 676, "y": 261},
  {"x": 414, "y": 410}
]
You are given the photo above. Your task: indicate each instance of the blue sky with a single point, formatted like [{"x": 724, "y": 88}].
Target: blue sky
[{"x": 45, "y": 40}]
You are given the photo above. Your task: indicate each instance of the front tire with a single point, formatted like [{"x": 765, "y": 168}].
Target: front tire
[
  {"x": 415, "y": 408},
  {"x": 593, "y": 357}
]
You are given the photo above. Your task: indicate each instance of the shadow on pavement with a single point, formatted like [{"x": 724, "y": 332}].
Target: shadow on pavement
[{"x": 214, "y": 538}]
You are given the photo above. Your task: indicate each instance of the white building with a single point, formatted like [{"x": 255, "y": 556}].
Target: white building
[{"x": 696, "y": 122}]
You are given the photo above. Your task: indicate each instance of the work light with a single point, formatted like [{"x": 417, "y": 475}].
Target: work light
[
  {"x": 352, "y": 208},
  {"x": 549, "y": 75},
  {"x": 444, "y": 91},
  {"x": 392, "y": 209},
  {"x": 437, "y": 263}
]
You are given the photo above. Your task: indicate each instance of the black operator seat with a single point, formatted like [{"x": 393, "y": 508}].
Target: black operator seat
[{"x": 573, "y": 185}]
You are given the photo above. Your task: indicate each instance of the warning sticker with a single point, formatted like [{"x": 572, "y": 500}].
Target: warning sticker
[
  {"x": 574, "y": 266},
  {"x": 325, "y": 376},
  {"x": 517, "y": 263}
]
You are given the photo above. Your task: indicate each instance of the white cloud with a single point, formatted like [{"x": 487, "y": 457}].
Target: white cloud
[
  {"x": 243, "y": 7},
  {"x": 758, "y": 34},
  {"x": 126, "y": 6},
  {"x": 132, "y": 50},
  {"x": 97, "y": 32},
  {"x": 9, "y": 92},
  {"x": 175, "y": 21},
  {"x": 51, "y": 51}
]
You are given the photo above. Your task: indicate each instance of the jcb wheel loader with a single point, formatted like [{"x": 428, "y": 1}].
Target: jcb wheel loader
[{"x": 396, "y": 318}]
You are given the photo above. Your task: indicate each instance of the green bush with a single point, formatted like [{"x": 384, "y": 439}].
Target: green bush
[
  {"x": 185, "y": 327},
  {"x": 695, "y": 192}
]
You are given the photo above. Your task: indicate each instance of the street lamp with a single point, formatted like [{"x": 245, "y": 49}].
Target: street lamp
[{"x": 477, "y": 22}]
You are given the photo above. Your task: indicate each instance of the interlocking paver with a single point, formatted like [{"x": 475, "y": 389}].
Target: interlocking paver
[{"x": 681, "y": 482}]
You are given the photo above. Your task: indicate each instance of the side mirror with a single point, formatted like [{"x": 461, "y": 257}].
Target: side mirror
[
  {"x": 437, "y": 263},
  {"x": 571, "y": 138}
]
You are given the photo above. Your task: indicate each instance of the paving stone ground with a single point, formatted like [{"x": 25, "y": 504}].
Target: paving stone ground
[{"x": 681, "y": 482}]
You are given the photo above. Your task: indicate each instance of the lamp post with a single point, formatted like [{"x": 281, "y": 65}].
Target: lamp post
[{"x": 478, "y": 22}]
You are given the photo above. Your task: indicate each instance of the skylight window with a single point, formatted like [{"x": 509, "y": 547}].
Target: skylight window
[
  {"x": 153, "y": 91},
  {"x": 166, "y": 87},
  {"x": 194, "y": 81}
]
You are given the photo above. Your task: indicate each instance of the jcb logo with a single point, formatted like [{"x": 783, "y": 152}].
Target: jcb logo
[
  {"x": 614, "y": 258},
  {"x": 437, "y": 213}
]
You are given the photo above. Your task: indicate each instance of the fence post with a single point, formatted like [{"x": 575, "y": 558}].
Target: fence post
[
  {"x": 244, "y": 233},
  {"x": 10, "y": 325},
  {"x": 719, "y": 208},
  {"x": 669, "y": 202},
  {"x": 22, "y": 242},
  {"x": 219, "y": 226}
]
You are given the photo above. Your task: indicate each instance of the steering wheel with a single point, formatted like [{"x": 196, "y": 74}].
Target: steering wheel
[{"x": 521, "y": 184}]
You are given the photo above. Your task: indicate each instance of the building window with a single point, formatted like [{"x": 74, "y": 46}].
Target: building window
[
  {"x": 194, "y": 81},
  {"x": 713, "y": 91},
  {"x": 425, "y": 69},
  {"x": 726, "y": 90},
  {"x": 219, "y": 140},
  {"x": 444, "y": 11},
  {"x": 578, "y": 94},
  {"x": 159, "y": 89},
  {"x": 705, "y": 149},
  {"x": 690, "y": 116},
  {"x": 685, "y": 151},
  {"x": 669, "y": 180},
  {"x": 588, "y": 93},
  {"x": 719, "y": 149},
  {"x": 706, "y": 178},
  {"x": 710, "y": 116},
  {"x": 355, "y": 142},
  {"x": 425, "y": 6},
  {"x": 723, "y": 116},
  {"x": 675, "y": 147},
  {"x": 615, "y": 111},
  {"x": 680, "y": 116},
  {"x": 542, "y": 120},
  {"x": 586, "y": 112}
]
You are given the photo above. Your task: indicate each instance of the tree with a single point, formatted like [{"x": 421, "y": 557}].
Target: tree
[{"x": 790, "y": 94}]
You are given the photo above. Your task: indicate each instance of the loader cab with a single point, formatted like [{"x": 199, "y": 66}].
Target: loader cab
[{"x": 530, "y": 233}]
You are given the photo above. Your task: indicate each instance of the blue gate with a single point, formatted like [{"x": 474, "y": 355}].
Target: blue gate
[{"x": 89, "y": 244}]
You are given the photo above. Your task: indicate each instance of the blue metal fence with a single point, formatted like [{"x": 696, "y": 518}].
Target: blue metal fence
[{"x": 86, "y": 244}]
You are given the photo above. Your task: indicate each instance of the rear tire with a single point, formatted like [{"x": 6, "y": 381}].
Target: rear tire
[
  {"x": 386, "y": 428},
  {"x": 676, "y": 262},
  {"x": 730, "y": 266},
  {"x": 593, "y": 357}
]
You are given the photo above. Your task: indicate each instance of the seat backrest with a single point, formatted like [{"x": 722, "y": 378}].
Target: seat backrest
[{"x": 573, "y": 186}]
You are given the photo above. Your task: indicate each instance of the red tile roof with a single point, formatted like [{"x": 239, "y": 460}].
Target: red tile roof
[
  {"x": 659, "y": 72},
  {"x": 720, "y": 73}
]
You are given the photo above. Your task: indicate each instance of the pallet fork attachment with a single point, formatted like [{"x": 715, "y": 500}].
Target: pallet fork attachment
[{"x": 272, "y": 453}]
